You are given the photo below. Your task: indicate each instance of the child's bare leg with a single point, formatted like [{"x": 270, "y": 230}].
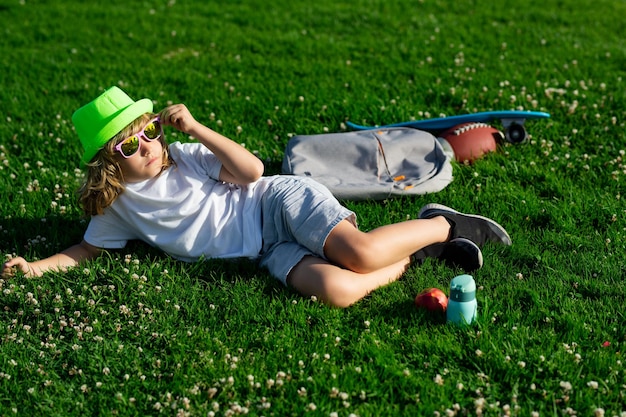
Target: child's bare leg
[
  {"x": 365, "y": 252},
  {"x": 337, "y": 286}
]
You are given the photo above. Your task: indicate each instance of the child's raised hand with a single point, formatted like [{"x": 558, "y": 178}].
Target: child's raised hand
[
  {"x": 179, "y": 117},
  {"x": 16, "y": 264}
]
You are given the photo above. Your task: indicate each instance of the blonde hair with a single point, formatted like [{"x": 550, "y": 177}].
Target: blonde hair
[{"x": 105, "y": 181}]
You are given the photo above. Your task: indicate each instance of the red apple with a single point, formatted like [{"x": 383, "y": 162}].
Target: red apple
[{"x": 432, "y": 299}]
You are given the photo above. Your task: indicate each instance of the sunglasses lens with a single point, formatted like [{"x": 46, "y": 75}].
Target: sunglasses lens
[
  {"x": 130, "y": 146},
  {"x": 152, "y": 130}
]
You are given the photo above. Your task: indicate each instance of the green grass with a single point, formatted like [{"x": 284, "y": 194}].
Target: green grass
[{"x": 137, "y": 333}]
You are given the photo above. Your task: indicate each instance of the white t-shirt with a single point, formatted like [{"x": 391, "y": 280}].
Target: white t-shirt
[{"x": 186, "y": 211}]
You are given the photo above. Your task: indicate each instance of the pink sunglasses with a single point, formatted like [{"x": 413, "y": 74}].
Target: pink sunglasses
[{"x": 153, "y": 130}]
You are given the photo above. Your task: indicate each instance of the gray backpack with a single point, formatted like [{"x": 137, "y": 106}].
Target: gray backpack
[{"x": 371, "y": 164}]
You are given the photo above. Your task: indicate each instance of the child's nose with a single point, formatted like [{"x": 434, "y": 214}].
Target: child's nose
[{"x": 147, "y": 145}]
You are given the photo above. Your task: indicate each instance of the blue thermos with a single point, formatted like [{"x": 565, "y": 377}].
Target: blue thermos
[{"x": 462, "y": 306}]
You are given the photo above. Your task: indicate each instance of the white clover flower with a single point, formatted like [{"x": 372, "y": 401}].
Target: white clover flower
[{"x": 438, "y": 379}]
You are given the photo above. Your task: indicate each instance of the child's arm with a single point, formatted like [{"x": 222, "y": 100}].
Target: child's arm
[
  {"x": 239, "y": 166},
  {"x": 71, "y": 256}
]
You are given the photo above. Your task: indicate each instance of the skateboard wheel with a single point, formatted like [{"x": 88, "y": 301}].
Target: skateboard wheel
[{"x": 515, "y": 133}]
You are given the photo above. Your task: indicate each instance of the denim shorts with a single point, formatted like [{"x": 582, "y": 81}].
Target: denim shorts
[{"x": 298, "y": 214}]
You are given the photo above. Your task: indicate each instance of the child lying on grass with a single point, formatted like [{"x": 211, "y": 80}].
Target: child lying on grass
[{"x": 210, "y": 200}]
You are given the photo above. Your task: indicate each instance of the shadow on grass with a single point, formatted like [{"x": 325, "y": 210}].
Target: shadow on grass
[
  {"x": 406, "y": 311},
  {"x": 40, "y": 237}
]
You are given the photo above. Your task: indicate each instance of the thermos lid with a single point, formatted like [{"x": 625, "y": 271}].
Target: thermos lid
[{"x": 462, "y": 288}]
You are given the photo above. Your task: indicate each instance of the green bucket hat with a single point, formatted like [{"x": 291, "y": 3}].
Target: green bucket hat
[{"x": 98, "y": 121}]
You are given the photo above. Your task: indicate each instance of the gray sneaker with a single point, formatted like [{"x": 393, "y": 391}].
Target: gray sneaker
[
  {"x": 457, "y": 253},
  {"x": 476, "y": 228}
]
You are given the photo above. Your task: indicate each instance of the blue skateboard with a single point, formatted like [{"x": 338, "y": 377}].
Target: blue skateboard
[{"x": 512, "y": 121}]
